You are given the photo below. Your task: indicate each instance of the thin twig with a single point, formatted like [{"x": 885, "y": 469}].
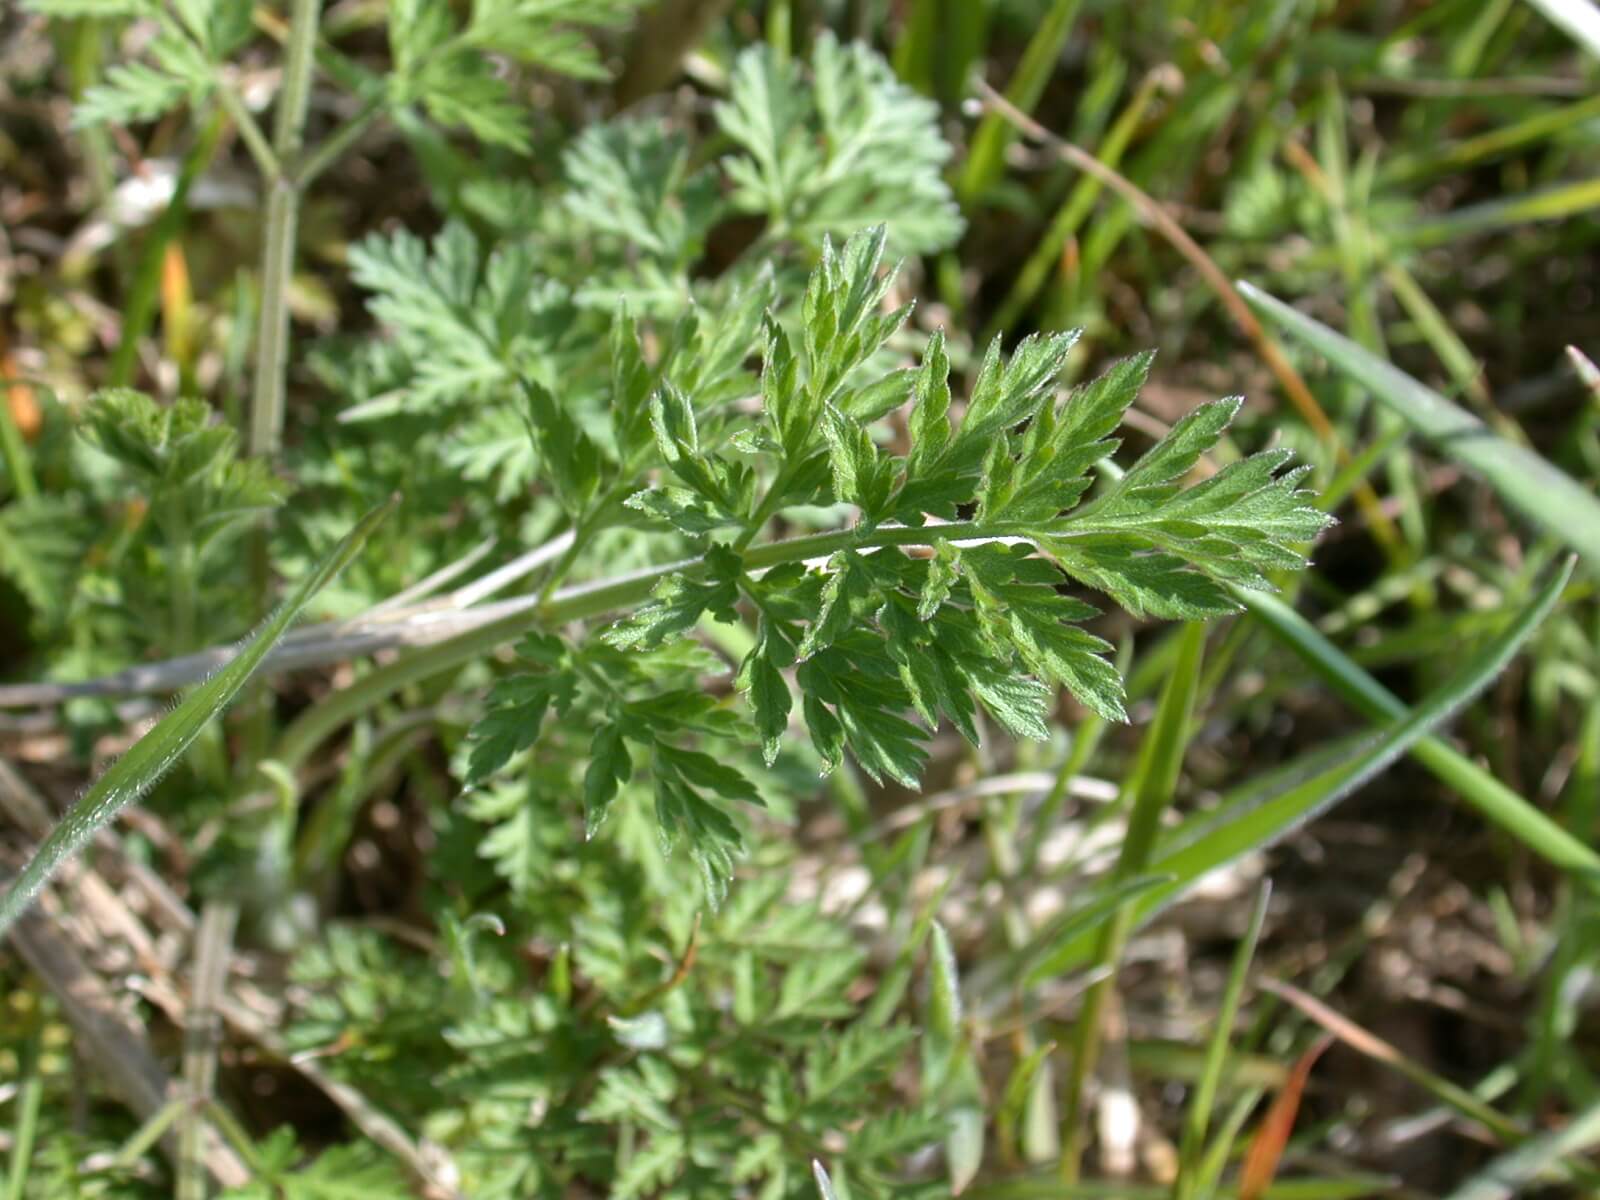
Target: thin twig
[
  {"x": 376, "y": 1125},
  {"x": 119, "y": 1050},
  {"x": 386, "y": 626}
]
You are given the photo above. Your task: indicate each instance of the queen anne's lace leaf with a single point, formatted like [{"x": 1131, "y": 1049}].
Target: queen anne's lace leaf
[
  {"x": 855, "y": 148},
  {"x": 443, "y": 64},
  {"x": 975, "y": 628},
  {"x": 630, "y": 180},
  {"x": 42, "y": 543}
]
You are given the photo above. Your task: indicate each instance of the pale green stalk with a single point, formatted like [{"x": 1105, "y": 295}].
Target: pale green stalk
[
  {"x": 1154, "y": 781},
  {"x": 283, "y": 219},
  {"x": 591, "y": 600},
  {"x": 1198, "y": 1117}
]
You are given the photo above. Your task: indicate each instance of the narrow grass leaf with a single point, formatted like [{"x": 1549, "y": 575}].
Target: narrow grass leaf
[
  {"x": 1198, "y": 1118},
  {"x": 29, "y": 1096},
  {"x": 1282, "y": 812},
  {"x": 1465, "y": 778},
  {"x": 137, "y": 771},
  {"x": 1513, "y": 1172},
  {"x": 986, "y": 159},
  {"x": 1528, "y": 482},
  {"x": 1515, "y": 212},
  {"x": 1154, "y": 780},
  {"x": 1266, "y": 1148}
]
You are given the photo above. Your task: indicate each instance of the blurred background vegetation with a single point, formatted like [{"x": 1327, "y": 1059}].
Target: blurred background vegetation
[{"x": 1418, "y": 175}]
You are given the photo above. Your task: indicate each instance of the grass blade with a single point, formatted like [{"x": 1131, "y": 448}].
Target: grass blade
[
  {"x": 1291, "y": 809},
  {"x": 1154, "y": 780},
  {"x": 1528, "y": 482},
  {"x": 1266, "y": 1148},
  {"x": 137, "y": 771},
  {"x": 1456, "y": 156},
  {"x": 986, "y": 159},
  {"x": 1509, "y": 1174},
  {"x": 1046, "y": 255},
  {"x": 1198, "y": 1119},
  {"x": 30, "y": 1094},
  {"x": 1546, "y": 204},
  {"x": 1281, "y": 813},
  {"x": 1464, "y": 777}
]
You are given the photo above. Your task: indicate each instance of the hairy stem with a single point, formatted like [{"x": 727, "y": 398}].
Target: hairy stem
[
  {"x": 272, "y": 330},
  {"x": 283, "y": 219}
]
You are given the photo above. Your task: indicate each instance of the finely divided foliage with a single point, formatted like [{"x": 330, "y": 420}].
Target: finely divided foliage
[
  {"x": 440, "y": 60},
  {"x": 855, "y": 147},
  {"x": 882, "y": 641}
]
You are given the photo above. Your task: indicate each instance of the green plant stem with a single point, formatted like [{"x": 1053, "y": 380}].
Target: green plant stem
[
  {"x": 272, "y": 329},
  {"x": 83, "y": 54},
  {"x": 249, "y": 132},
  {"x": 147, "y": 1135},
  {"x": 767, "y": 509},
  {"x": 780, "y": 28},
  {"x": 328, "y": 151},
  {"x": 30, "y": 1094},
  {"x": 182, "y": 570},
  {"x": 582, "y": 601},
  {"x": 299, "y": 57},
  {"x": 271, "y": 359},
  {"x": 1154, "y": 780},
  {"x": 283, "y": 219}
]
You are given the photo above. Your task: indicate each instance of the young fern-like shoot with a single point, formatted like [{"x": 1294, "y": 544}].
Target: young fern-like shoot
[{"x": 879, "y": 645}]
